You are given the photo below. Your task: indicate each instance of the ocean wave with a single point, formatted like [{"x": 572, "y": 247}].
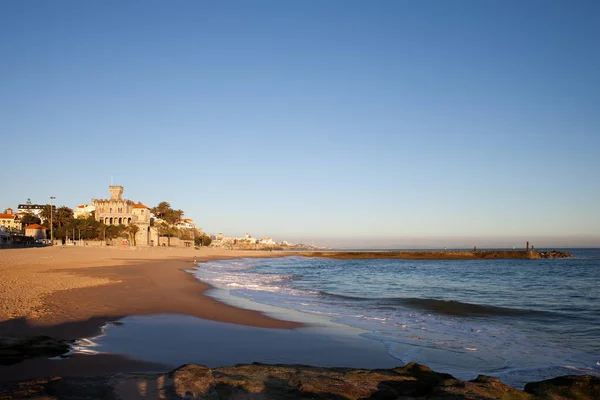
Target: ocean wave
[
  {"x": 453, "y": 307},
  {"x": 445, "y": 307}
]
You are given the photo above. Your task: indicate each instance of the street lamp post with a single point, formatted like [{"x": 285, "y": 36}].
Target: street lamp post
[{"x": 51, "y": 229}]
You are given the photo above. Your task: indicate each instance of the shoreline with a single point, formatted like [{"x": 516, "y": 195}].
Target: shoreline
[
  {"x": 110, "y": 284},
  {"x": 71, "y": 292}
]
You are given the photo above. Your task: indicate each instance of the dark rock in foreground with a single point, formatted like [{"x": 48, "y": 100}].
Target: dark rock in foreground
[
  {"x": 17, "y": 349},
  {"x": 260, "y": 381},
  {"x": 566, "y": 387}
]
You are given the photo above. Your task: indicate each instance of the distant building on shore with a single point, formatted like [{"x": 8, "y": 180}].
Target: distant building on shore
[
  {"x": 267, "y": 241},
  {"x": 84, "y": 210},
  {"x": 36, "y": 231},
  {"x": 119, "y": 211},
  {"x": 9, "y": 220},
  {"x": 33, "y": 209},
  {"x": 186, "y": 223}
]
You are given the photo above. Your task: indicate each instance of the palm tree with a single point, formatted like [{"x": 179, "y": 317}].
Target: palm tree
[
  {"x": 132, "y": 230},
  {"x": 63, "y": 216},
  {"x": 87, "y": 226},
  {"x": 45, "y": 213}
]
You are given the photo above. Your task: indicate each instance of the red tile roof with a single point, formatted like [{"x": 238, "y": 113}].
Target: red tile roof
[
  {"x": 7, "y": 216},
  {"x": 139, "y": 205},
  {"x": 35, "y": 226}
]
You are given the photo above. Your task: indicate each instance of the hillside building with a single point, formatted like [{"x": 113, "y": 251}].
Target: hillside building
[{"x": 84, "y": 211}]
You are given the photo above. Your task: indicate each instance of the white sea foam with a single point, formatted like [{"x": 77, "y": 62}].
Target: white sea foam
[{"x": 88, "y": 345}]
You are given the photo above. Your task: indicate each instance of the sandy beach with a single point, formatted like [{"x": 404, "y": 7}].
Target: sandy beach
[{"x": 69, "y": 292}]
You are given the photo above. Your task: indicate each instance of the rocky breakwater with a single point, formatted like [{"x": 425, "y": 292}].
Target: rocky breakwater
[
  {"x": 437, "y": 255},
  {"x": 554, "y": 254},
  {"x": 281, "y": 382}
]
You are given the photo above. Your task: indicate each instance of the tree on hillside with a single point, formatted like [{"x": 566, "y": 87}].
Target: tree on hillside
[
  {"x": 188, "y": 233},
  {"x": 166, "y": 213},
  {"x": 174, "y": 216},
  {"x": 161, "y": 209}
]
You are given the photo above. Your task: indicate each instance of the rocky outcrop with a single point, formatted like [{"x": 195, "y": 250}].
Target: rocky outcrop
[
  {"x": 281, "y": 382},
  {"x": 566, "y": 387},
  {"x": 17, "y": 349},
  {"x": 554, "y": 254}
]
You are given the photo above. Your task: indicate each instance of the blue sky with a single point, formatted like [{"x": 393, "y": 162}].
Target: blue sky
[{"x": 339, "y": 122}]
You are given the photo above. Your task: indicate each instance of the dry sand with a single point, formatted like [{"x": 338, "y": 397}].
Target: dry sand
[{"x": 69, "y": 292}]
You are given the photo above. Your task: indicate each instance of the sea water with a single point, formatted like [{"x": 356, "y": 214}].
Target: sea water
[{"x": 518, "y": 320}]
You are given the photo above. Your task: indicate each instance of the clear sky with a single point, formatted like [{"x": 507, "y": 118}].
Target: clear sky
[{"x": 342, "y": 122}]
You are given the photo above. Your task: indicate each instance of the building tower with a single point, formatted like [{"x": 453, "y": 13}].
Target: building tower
[{"x": 116, "y": 192}]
